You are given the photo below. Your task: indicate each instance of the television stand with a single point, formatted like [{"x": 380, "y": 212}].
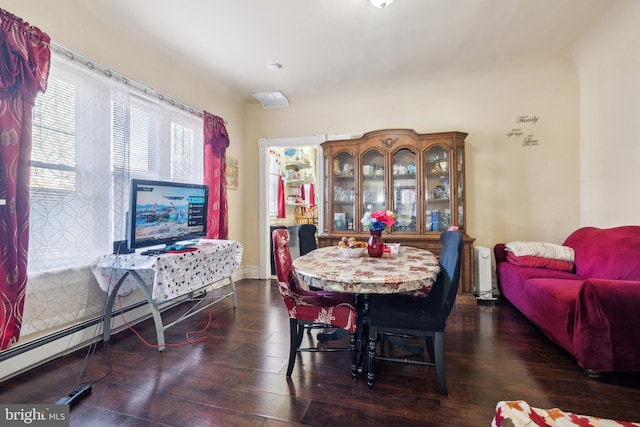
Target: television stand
[{"x": 172, "y": 275}]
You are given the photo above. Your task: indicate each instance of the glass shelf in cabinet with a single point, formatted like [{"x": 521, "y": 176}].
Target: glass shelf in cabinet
[{"x": 437, "y": 168}]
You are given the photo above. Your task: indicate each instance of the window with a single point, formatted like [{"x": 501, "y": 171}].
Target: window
[{"x": 91, "y": 134}]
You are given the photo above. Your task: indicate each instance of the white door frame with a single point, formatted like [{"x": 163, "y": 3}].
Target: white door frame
[{"x": 263, "y": 146}]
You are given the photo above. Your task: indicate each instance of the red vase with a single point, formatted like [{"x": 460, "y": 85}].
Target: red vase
[{"x": 375, "y": 245}]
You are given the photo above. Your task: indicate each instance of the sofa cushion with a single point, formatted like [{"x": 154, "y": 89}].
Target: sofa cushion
[
  {"x": 515, "y": 276},
  {"x": 611, "y": 253},
  {"x": 550, "y": 303},
  {"x": 540, "y": 262},
  {"x": 541, "y": 249}
]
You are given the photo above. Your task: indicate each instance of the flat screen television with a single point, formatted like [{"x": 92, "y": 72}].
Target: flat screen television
[{"x": 166, "y": 213}]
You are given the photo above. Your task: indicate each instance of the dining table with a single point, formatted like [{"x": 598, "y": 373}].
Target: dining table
[{"x": 412, "y": 271}]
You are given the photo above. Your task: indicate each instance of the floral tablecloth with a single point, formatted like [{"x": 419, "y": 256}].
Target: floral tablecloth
[
  {"x": 411, "y": 270},
  {"x": 171, "y": 274}
]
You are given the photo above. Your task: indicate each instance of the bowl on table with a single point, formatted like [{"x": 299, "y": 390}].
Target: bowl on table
[{"x": 352, "y": 252}]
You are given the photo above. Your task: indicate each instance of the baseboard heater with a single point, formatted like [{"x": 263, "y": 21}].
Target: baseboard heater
[
  {"x": 482, "y": 270},
  {"x": 31, "y": 345},
  {"x": 23, "y": 357}
]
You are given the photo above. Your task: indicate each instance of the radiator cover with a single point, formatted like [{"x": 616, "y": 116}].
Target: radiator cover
[{"x": 482, "y": 270}]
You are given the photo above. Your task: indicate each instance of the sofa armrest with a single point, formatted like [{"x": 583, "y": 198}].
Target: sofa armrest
[
  {"x": 499, "y": 252},
  {"x": 607, "y": 327}
]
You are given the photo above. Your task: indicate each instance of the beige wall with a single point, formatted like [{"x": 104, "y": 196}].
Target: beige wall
[
  {"x": 513, "y": 191},
  {"x": 609, "y": 63}
]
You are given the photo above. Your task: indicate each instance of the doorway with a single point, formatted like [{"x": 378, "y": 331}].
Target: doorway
[{"x": 297, "y": 175}]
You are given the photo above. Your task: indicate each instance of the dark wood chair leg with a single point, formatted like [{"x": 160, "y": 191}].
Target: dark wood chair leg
[
  {"x": 439, "y": 353},
  {"x": 430, "y": 350},
  {"x": 294, "y": 343},
  {"x": 300, "y": 334},
  {"x": 371, "y": 356},
  {"x": 354, "y": 356}
]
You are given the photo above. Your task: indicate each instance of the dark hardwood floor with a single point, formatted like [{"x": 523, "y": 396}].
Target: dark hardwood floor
[{"x": 237, "y": 376}]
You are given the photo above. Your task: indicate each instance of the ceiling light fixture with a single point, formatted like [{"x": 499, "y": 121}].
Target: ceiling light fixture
[{"x": 380, "y": 4}]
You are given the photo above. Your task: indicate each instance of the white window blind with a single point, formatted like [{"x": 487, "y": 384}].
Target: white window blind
[
  {"x": 54, "y": 157},
  {"x": 135, "y": 139}
]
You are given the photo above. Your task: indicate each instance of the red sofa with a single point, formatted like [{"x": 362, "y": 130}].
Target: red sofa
[{"x": 591, "y": 312}]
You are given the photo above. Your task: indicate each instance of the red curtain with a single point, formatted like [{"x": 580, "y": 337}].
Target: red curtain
[
  {"x": 24, "y": 69},
  {"x": 216, "y": 141},
  {"x": 312, "y": 196},
  {"x": 308, "y": 195},
  {"x": 282, "y": 209}
]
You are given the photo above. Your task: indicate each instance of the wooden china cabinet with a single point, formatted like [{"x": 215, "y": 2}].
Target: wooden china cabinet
[{"x": 420, "y": 177}]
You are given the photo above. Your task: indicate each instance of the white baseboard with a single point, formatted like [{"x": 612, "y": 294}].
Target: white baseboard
[{"x": 251, "y": 272}]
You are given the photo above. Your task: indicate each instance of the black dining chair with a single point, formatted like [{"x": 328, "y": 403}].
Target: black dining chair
[
  {"x": 419, "y": 317},
  {"x": 307, "y": 238},
  {"x": 306, "y": 244}
]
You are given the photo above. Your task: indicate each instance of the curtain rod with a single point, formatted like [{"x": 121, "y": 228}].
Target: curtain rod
[{"x": 109, "y": 73}]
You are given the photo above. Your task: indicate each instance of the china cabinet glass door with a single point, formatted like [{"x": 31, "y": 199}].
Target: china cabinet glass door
[
  {"x": 404, "y": 190},
  {"x": 373, "y": 182},
  {"x": 344, "y": 192},
  {"x": 437, "y": 189}
]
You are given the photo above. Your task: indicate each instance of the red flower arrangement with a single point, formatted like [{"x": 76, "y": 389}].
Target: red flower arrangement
[{"x": 378, "y": 220}]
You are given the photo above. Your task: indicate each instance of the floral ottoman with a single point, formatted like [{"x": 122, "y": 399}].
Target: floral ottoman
[{"x": 518, "y": 413}]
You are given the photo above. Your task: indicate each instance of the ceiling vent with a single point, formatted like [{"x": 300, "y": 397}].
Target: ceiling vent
[{"x": 275, "y": 99}]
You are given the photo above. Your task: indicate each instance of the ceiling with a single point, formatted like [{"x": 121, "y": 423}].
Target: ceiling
[{"x": 330, "y": 45}]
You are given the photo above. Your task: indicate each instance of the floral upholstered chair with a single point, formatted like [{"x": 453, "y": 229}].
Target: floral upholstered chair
[{"x": 318, "y": 308}]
